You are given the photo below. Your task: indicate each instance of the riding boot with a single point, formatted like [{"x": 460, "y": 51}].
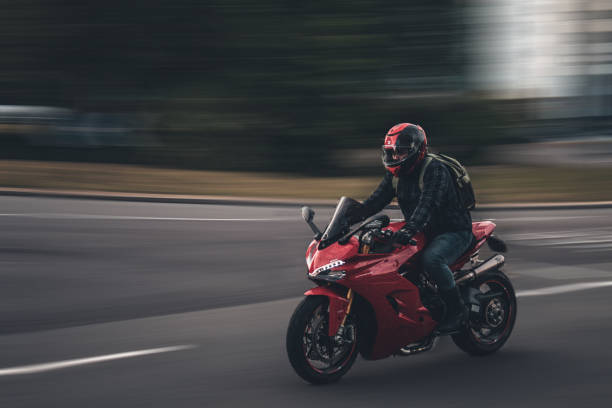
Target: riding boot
[{"x": 456, "y": 312}]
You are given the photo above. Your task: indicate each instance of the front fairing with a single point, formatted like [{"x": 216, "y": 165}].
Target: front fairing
[
  {"x": 330, "y": 254},
  {"x": 399, "y": 314},
  {"x": 354, "y": 262}
]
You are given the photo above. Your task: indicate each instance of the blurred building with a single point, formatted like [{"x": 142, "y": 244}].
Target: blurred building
[{"x": 555, "y": 53}]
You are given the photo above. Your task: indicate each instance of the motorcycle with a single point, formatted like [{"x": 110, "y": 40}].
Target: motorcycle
[{"x": 373, "y": 298}]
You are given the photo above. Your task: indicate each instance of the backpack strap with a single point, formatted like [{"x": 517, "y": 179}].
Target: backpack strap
[{"x": 428, "y": 160}]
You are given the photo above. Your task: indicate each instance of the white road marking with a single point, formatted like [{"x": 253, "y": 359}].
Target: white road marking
[
  {"x": 56, "y": 365},
  {"x": 129, "y": 217},
  {"x": 543, "y": 218},
  {"x": 555, "y": 290},
  {"x": 591, "y": 240},
  {"x": 546, "y": 235}
]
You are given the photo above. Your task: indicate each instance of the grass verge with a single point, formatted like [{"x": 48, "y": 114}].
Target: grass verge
[{"x": 493, "y": 184}]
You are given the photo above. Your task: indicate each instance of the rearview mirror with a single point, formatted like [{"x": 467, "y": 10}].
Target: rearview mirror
[{"x": 307, "y": 214}]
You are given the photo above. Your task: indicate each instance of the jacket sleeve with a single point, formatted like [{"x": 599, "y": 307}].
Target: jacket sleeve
[
  {"x": 380, "y": 198},
  {"x": 436, "y": 183}
]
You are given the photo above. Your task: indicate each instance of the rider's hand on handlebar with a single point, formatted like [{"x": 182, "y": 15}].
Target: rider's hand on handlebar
[{"x": 403, "y": 236}]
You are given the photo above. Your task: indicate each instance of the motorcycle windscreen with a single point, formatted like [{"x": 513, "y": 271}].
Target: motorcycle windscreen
[{"x": 348, "y": 212}]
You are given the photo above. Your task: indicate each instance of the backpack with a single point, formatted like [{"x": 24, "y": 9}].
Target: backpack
[{"x": 461, "y": 177}]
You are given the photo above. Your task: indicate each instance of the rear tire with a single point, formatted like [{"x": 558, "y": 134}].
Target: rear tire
[
  {"x": 307, "y": 340},
  {"x": 490, "y": 332}
]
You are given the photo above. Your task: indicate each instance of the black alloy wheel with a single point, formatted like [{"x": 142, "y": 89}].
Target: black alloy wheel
[
  {"x": 315, "y": 356},
  {"x": 492, "y": 321}
]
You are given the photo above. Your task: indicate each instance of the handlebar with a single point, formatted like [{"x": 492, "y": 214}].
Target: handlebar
[
  {"x": 384, "y": 221},
  {"x": 383, "y": 218}
]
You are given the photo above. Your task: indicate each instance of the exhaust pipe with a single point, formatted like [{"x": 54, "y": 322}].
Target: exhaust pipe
[{"x": 493, "y": 262}]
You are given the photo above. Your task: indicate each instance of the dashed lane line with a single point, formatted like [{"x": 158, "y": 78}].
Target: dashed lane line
[
  {"x": 555, "y": 290},
  {"x": 56, "y": 365}
]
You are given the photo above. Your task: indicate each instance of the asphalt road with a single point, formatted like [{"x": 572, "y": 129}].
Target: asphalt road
[{"x": 96, "y": 279}]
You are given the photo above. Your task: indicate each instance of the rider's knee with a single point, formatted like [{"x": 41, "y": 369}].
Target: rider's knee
[{"x": 433, "y": 260}]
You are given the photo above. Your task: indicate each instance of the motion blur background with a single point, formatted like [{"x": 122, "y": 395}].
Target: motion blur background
[
  {"x": 269, "y": 91},
  {"x": 289, "y": 101}
]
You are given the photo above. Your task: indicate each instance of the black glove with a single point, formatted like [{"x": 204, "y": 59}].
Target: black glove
[{"x": 404, "y": 236}]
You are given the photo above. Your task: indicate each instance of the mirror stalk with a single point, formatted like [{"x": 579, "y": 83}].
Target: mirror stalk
[
  {"x": 308, "y": 215},
  {"x": 313, "y": 227}
]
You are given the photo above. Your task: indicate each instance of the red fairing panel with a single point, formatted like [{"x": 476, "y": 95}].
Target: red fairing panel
[
  {"x": 376, "y": 279},
  {"x": 310, "y": 251},
  {"x": 337, "y": 307},
  {"x": 332, "y": 253}
]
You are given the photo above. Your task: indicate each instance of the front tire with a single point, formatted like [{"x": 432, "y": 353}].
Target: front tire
[
  {"x": 316, "y": 357},
  {"x": 490, "y": 327}
]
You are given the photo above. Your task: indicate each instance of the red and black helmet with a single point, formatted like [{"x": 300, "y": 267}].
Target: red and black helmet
[{"x": 405, "y": 147}]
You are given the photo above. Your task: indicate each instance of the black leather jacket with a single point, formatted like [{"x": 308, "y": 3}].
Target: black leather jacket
[{"x": 435, "y": 210}]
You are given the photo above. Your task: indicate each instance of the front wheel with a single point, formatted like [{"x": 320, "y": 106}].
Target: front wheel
[
  {"x": 492, "y": 318},
  {"x": 315, "y": 356}
]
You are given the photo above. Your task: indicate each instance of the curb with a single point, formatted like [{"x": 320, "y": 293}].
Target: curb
[{"x": 265, "y": 202}]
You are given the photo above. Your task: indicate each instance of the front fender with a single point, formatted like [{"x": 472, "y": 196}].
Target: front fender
[{"x": 337, "y": 306}]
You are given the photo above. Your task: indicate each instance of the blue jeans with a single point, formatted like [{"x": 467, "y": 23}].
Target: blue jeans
[{"x": 442, "y": 251}]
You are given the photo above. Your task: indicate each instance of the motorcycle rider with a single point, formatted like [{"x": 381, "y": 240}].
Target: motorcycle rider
[{"x": 436, "y": 211}]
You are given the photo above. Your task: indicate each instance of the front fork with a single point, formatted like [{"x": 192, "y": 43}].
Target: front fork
[
  {"x": 340, "y": 333},
  {"x": 339, "y": 307}
]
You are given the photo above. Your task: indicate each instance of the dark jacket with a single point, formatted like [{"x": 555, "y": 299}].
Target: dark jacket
[{"x": 434, "y": 211}]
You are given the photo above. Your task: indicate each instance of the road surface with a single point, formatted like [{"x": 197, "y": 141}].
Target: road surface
[{"x": 155, "y": 305}]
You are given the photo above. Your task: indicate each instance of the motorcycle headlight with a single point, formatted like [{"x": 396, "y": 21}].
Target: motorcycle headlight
[
  {"x": 327, "y": 267},
  {"x": 326, "y": 272},
  {"x": 332, "y": 276}
]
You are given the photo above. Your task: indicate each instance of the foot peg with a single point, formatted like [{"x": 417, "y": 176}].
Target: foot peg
[{"x": 412, "y": 349}]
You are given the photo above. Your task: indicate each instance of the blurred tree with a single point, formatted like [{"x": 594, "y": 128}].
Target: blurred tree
[{"x": 244, "y": 84}]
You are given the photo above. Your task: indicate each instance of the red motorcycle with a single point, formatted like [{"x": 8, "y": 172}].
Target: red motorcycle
[{"x": 374, "y": 299}]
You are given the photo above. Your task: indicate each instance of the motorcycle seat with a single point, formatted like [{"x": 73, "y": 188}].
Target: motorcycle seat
[{"x": 480, "y": 231}]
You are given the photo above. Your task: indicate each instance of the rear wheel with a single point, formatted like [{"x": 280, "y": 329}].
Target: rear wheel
[
  {"x": 492, "y": 321},
  {"x": 315, "y": 356}
]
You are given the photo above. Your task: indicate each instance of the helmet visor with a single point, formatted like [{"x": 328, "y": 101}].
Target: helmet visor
[{"x": 394, "y": 156}]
